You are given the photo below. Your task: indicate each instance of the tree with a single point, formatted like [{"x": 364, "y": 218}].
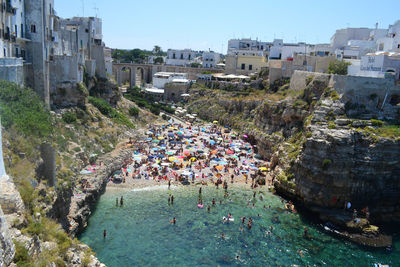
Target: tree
[
  {"x": 158, "y": 60},
  {"x": 195, "y": 65},
  {"x": 157, "y": 50},
  {"x": 338, "y": 67}
]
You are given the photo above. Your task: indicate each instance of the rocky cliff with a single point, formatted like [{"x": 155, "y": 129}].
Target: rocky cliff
[
  {"x": 7, "y": 249},
  {"x": 330, "y": 139}
]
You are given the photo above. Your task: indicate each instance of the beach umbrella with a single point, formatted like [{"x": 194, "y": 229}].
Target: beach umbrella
[
  {"x": 155, "y": 166},
  {"x": 200, "y": 151},
  {"x": 165, "y": 164},
  {"x": 230, "y": 152},
  {"x": 219, "y": 167},
  {"x": 212, "y": 142},
  {"x": 245, "y": 136},
  {"x": 170, "y": 134},
  {"x": 193, "y": 159},
  {"x": 232, "y": 135},
  {"x": 263, "y": 169},
  {"x": 215, "y": 122},
  {"x": 223, "y": 163},
  {"x": 186, "y": 153},
  {"x": 161, "y": 138},
  {"x": 172, "y": 159},
  {"x": 214, "y": 152},
  {"x": 235, "y": 157},
  {"x": 155, "y": 141},
  {"x": 170, "y": 152}
]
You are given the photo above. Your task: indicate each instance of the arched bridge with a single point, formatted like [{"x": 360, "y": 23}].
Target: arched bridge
[{"x": 139, "y": 74}]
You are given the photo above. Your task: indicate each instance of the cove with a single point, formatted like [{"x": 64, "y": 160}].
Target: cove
[{"x": 140, "y": 234}]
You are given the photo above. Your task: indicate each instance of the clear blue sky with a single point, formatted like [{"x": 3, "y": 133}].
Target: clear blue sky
[{"x": 204, "y": 24}]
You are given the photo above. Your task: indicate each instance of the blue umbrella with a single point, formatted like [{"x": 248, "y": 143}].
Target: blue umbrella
[{"x": 212, "y": 142}]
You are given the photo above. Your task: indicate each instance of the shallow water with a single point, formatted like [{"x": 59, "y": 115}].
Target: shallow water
[{"x": 139, "y": 233}]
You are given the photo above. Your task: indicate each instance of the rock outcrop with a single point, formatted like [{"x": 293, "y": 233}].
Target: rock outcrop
[
  {"x": 330, "y": 139},
  {"x": 80, "y": 206},
  {"x": 7, "y": 249}
]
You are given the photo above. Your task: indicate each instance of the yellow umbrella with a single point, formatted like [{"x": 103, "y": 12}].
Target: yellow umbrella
[
  {"x": 215, "y": 122},
  {"x": 193, "y": 159},
  {"x": 263, "y": 169},
  {"x": 161, "y": 138},
  {"x": 172, "y": 159}
]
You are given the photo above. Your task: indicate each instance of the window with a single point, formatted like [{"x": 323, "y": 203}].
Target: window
[
  {"x": 16, "y": 30},
  {"x": 380, "y": 47},
  {"x": 189, "y": 56},
  {"x": 87, "y": 30},
  {"x": 243, "y": 66},
  {"x": 181, "y": 56},
  {"x": 33, "y": 28},
  {"x": 398, "y": 46},
  {"x": 173, "y": 56},
  {"x": 250, "y": 67}
]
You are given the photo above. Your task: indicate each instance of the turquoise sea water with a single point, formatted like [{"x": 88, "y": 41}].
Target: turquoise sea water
[{"x": 140, "y": 233}]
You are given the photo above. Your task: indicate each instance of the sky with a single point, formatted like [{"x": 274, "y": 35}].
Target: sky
[{"x": 209, "y": 24}]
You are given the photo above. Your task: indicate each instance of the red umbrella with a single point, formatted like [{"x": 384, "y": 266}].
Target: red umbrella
[{"x": 230, "y": 152}]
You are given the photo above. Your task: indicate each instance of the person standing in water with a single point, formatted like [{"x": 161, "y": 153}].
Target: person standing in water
[
  {"x": 104, "y": 234},
  {"x": 172, "y": 199},
  {"x": 116, "y": 202},
  {"x": 173, "y": 221},
  {"x": 121, "y": 202},
  {"x": 169, "y": 184},
  {"x": 169, "y": 200}
]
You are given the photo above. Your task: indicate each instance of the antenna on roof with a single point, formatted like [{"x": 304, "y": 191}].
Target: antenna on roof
[
  {"x": 83, "y": 8},
  {"x": 96, "y": 10}
]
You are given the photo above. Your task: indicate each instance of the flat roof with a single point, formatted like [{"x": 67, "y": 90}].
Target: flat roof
[{"x": 155, "y": 90}]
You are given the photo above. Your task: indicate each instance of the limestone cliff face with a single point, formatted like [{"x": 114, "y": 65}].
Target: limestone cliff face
[
  {"x": 323, "y": 139},
  {"x": 340, "y": 163},
  {"x": 7, "y": 249}
]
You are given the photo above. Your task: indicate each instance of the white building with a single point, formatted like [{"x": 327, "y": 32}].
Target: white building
[
  {"x": 342, "y": 36},
  {"x": 162, "y": 78},
  {"x": 377, "y": 65},
  {"x": 210, "y": 59},
  {"x": 391, "y": 41},
  {"x": 180, "y": 57}
]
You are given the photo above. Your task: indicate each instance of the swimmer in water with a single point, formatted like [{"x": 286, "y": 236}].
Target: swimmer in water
[
  {"x": 208, "y": 208},
  {"x": 104, "y": 234},
  {"x": 213, "y": 202},
  {"x": 173, "y": 221},
  {"x": 222, "y": 236}
]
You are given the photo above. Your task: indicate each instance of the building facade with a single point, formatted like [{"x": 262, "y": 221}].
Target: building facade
[
  {"x": 183, "y": 57},
  {"x": 210, "y": 59}
]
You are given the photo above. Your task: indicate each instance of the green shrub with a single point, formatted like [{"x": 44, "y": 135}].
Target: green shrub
[
  {"x": 22, "y": 257},
  {"x": 101, "y": 105},
  {"x": 23, "y": 108},
  {"x": 377, "y": 122},
  {"x": 109, "y": 111},
  {"x": 331, "y": 125},
  {"x": 155, "y": 110},
  {"x": 134, "y": 111},
  {"x": 338, "y": 67},
  {"x": 69, "y": 117},
  {"x": 326, "y": 163}
]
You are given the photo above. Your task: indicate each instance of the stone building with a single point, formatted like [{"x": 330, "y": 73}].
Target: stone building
[{"x": 180, "y": 57}]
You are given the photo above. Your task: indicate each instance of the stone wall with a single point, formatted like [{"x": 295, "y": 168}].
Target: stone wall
[
  {"x": 7, "y": 249},
  {"x": 63, "y": 69},
  {"x": 11, "y": 69}
]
